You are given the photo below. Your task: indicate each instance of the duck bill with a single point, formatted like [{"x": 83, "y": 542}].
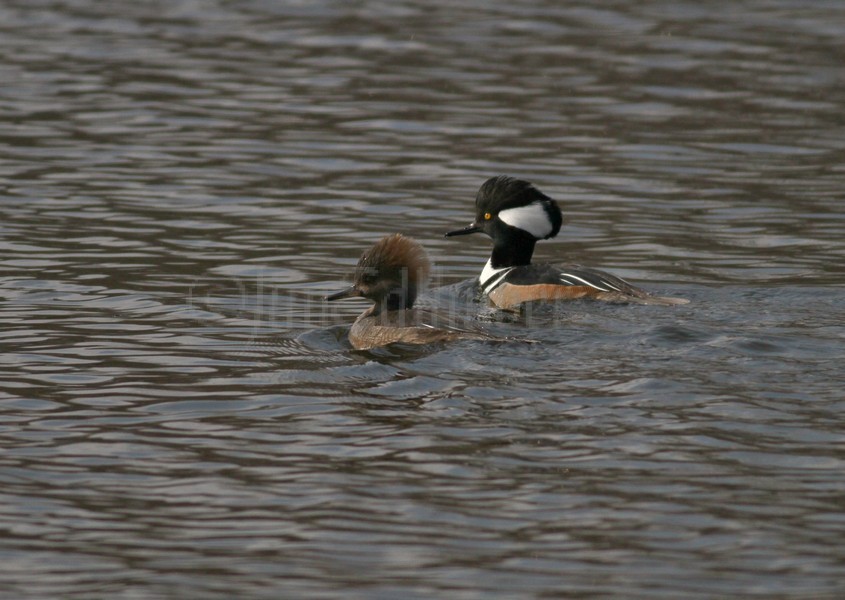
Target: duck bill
[
  {"x": 471, "y": 228},
  {"x": 350, "y": 292}
]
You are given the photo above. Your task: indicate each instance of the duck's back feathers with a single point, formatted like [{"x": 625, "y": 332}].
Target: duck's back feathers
[{"x": 550, "y": 282}]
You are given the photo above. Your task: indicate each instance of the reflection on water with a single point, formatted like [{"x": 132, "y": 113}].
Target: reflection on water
[{"x": 183, "y": 417}]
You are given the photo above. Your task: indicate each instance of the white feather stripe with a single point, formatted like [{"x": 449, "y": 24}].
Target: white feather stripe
[
  {"x": 491, "y": 277},
  {"x": 592, "y": 285},
  {"x": 492, "y": 284},
  {"x": 531, "y": 218}
]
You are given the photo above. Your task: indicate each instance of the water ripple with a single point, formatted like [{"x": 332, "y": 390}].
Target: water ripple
[{"x": 182, "y": 415}]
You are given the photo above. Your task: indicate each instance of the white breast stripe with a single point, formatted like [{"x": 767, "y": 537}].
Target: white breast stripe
[
  {"x": 492, "y": 285},
  {"x": 532, "y": 218},
  {"x": 491, "y": 277}
]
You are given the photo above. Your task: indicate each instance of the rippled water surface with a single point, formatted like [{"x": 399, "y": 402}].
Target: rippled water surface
[{"x": 181, "y": 415}]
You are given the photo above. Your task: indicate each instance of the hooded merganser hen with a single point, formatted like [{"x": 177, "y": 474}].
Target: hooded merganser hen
[
  {"x": 390, "y": 274},
  {"x": 516, "y": 215}
]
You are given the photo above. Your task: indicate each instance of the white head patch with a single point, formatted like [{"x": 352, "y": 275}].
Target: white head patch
[{"x": 531, "y": 218}]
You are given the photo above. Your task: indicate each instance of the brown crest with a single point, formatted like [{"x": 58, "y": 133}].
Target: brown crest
[{"x": 390, "y": 257}]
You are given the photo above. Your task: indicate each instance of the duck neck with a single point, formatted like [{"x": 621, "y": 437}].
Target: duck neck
[
  {"x": 397, "y": 299},
  {"x": 513, "y": 251}
]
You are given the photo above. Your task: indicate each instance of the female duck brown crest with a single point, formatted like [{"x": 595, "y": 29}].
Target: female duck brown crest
[
  {"x": 391, "y": 273},
  {"x": 395, "y": 257}
]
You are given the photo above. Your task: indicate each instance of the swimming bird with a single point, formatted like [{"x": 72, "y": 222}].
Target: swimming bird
[
  {"x": 516, "y": 215},
  {"x": 391, "y": 274}
]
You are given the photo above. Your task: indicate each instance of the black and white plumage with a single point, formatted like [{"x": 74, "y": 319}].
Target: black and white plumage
[{"x": 516, "y": 215}]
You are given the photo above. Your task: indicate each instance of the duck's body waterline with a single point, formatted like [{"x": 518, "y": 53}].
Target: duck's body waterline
[{"x": 409, "y": 326}]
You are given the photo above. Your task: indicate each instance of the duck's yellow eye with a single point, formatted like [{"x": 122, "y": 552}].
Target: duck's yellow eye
[{"x": 487, "y": 216}]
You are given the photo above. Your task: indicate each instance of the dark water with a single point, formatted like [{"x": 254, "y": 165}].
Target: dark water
[{"x": 181, "y": 416}]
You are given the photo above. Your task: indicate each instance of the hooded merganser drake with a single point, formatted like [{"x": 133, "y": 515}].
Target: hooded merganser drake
[
  {"x": 390, "y": 274},
  {"x": 516, "y": 215}
]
